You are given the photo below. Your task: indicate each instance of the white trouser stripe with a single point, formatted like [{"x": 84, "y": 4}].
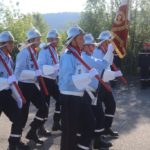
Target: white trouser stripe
[
  {"x": 83, "y": 147},
  {"x": 49, "y": 77},
  {"x": 98, "y": 130},
  {"x": 144, "y": 79},
  {"x": 108, "y": 115},
  {"x": 78, "y": 134},
  {"x": 57, "y": 112},
  {"x": 15, "y": 135},
  {"x": 72, "y": 93},
  {"x": 38, "y": 118}
]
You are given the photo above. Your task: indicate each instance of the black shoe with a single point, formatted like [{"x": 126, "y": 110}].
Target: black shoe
[
  {"x": 12, "y": 147},
  {"x": 23, "y": 146},
  {"x": 43, "y": 132},
  {"x": 56, "y": 126},
  {"x": 32, "y": 136},
  {"x": 19, "y": 146},
  {"x": 110, "y": 132},
  {"x": 100, "y": 143}
]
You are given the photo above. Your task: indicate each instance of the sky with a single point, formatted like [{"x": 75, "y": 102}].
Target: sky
[{"x": 48, "y": 6}]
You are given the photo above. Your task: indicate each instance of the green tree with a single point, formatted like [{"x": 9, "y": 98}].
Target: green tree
[
  {"x": 99, "y": 15},
  {"x": 39, "y": 22},
  {"x": 95, "y": 18}
]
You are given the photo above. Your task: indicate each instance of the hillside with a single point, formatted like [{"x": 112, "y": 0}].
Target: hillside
[{"x": 61, "y": 21}]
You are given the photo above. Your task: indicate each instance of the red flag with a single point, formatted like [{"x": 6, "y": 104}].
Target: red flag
[{"x": 120, "y": 28}]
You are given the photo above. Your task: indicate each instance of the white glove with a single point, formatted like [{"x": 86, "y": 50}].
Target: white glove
[
  {"x": 38, "y": 72},
  {"x": 4, "y": 83},
  {"x": 11, "y": 79},
  {"x": 56, "y": 67},
  {"x": 93, "y": 72},
  {"x": 118, "y": 73},
  {"x": 47, "y": 70},
  {"x": 81, "y": 81},
  {"x": 110, "y": 47},
  {"x": 42, "y": 45},
  {"x": 109, "y": 56},
  {"x": 27, "y": 75}
]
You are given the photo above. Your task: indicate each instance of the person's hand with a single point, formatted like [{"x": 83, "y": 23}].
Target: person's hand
[
  {"x": 111, "y": 47},
  {"x": 118, "y": 73},
  {"x": 93, "y": 72}
]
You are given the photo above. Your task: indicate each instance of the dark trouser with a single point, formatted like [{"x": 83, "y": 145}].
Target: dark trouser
[
  {"x": 76, "y": 112},
  {"x": 9, "y": 106},
  {"x": 32, "y": 94},
  {"x": 110, "y": 105},
  {"x": 99, "y": 117},
  {"x": 54, "y": 92},
  {"x": 144, "y": 77}
]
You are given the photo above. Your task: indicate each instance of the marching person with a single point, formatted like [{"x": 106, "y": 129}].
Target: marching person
[
  {"x": 107, "y": 97},
  {"x": 92, "y": 89},
  {"x": 75, "y": 109},
  {"x": 48, "y": 59},
  {"x": 10, "y": 104},
  {"x": 27, "y": 75}
]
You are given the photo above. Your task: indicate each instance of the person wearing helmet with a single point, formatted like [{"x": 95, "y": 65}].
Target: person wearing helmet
[
  {"x": 92, "y": 90},
  {"x": 48, "y": 58},
  {"x": 27, "y": 74},
  {"x": 75, "y": 109},
  {"x": 9, "y": 104},
  {"x": 107, "y": 97},
  {"x": 105, "y": 38}
]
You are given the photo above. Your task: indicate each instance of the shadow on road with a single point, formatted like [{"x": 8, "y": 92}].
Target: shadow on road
[{"x": 133, "y": 106}]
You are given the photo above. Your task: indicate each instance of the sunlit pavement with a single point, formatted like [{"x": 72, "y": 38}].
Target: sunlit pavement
[{"x": 132, "y": 120}]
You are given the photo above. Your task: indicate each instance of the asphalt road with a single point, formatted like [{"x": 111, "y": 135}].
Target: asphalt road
[{"x": 132, "y": 120}]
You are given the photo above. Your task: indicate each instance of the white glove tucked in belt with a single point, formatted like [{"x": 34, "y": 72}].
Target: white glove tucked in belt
[
  {"x": 81, "y": 81},
  {"x": 4, "y": 84}
]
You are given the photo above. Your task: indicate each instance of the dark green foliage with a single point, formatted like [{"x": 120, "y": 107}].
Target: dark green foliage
[{"x": 99, "y": 14}]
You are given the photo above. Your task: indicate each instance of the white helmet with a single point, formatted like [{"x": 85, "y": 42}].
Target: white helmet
[
  {"x": 89, "y": 39},
  {"x": 72, "y": 33},
  {"x": 53, "y": 34},
  {"x": 33, "y": 33},
  {"x": 105, "y": 35},
  {"x": 6, "y": 36}
]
